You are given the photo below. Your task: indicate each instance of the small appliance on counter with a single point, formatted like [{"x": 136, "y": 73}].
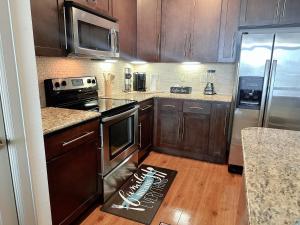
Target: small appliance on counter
[
  {"x": 139, "y": 81},
  {"x": 118, "y": 126},
  {"x": 210, "y": 89},
  {"x": 181, "y": 90},
  {"x": 128, "y": 80}
]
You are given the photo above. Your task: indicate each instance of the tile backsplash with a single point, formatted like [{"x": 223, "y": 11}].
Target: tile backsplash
[{"x": 166, "y": 74}]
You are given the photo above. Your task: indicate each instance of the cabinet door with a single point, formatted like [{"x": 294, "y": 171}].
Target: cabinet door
[
  {"x": 175, "y": 30},
  {"x": 195, "y": 132},
  {"x": 72, "y": 179},
  {"x": 258, "y": 12},
  {"x": 218, "y": 131},
  {"x": 168, "y": 129},
  {"x": 101, "y": 5},
  {"x": 203, "y": 41},
  {"x": 148, "y": 30},
  {"x": 290, "y": 12},
  {"x": 125, "y": 12},
  {"x": 229, "y": 30},
  {"x": 47, "y": 27},
  {"x": 146, "y": 132}
]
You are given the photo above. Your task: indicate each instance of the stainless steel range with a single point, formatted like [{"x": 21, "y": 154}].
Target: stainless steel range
[{"x": 118, "y": 127}]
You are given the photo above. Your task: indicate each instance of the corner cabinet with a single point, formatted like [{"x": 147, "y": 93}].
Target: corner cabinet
[
  {"x": 192, "y": 128},
  {"x": 269, "y": 12},
  {"x": 72, "y": 166},
  {"x": 145, "y": 128}
]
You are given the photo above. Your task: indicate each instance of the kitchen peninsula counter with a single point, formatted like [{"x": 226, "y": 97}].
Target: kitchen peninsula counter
[{"x": 272, "y": 176}]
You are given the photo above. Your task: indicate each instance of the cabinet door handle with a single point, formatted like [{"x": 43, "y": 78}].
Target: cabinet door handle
[
  {"x": 179, "y": 127},
  {"x": 284, "y": 8},
  {"x": 183, "y": 130},
  {"x": 140, "y": 135},
  {"x": 146, "y": 107},
  {"x": 196, "y": 107},
  {"x": 225, "y": 123},
  {"x": 234, "y": 45},
  {"x": 158, "y": 46},
  {"x": 277, "y": 10},
  {"x": 66, "y": 143},
  {"x": 190, "y": 45},
  {"x": 171, "y": 106}
]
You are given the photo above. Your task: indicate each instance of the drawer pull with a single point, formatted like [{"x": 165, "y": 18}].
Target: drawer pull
[
  {"x": 171, "y": 106},
  {"x": 196, "y": 107},
  {"x": 146, "y": 107},
  {"x": 77, "y": 139}
]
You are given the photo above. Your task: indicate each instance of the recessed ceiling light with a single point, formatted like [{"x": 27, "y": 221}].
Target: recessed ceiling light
[{"x": 138, "y": 62}]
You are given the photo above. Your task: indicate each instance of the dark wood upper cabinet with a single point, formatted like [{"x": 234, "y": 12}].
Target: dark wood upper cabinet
[
  {"x": 290, "y": 13},
  {"x": 175, "y": 30},
  {"x": 258, "y": 12},
  {"x": 229, "y": 30},
  {"x": 125, "y": 12},
  {"x": 203, "y": 43},
  {"x": 47, "y": 21},
  {"x": 103, "y": 6},
  {"x": 148, "y": 30}
]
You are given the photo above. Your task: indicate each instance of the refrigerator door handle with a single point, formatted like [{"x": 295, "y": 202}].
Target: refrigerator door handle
[
  {"x": 269, "y": 93},
  {"x": 264, "y": 93}
]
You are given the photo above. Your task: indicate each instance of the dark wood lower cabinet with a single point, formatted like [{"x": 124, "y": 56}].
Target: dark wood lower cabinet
[
  {"x": 194, "y": 129},
  {"x": 145, "y": 128},
  {"x": 72, "y": 171}
]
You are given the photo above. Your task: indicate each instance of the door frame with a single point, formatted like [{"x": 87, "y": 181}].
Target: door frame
[{"x": 22, "y": 114}]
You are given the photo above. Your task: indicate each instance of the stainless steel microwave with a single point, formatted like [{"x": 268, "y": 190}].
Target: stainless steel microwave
[{"x": 89, "y": 34}]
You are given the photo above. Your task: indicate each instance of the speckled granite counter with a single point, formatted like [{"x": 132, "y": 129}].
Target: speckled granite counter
[
  {"x": 54, "y": 119},
  {"x": 141, "y": 96},
  {"x": 272, "y": 175}
]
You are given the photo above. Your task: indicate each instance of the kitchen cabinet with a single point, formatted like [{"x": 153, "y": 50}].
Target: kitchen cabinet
[
  {"x": 145, "y": 128},
  {"x": 290, "y": 12},
  {"x": 218, "y": 131},
  {"x": 168, "y": 123},
  {"x": 228, "y": 40},
  {"x": 47, "y": 22},
  {"x": 126, "y": 13},
  {"x": 72, "y": 166},
  {"x": 203, "y": 45},
  {"x": 269, "y": 12},
  {"x": 148, "y": 30},
  {"x": 190, "y": 32},
  {"x": 192, "y": 128},
  {"x": 103, "y": 6}
]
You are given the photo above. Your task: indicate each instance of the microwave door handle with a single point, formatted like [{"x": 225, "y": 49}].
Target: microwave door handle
[{"x": 115, "y": 41}]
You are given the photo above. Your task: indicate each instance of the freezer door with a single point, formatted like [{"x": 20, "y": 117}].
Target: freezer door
[
  {"x": 283, "y": 101},
  {"x": 255, "y": 58}
]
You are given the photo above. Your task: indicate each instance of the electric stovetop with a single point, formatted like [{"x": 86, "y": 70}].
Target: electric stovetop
[{"x": 108, "y": 106}]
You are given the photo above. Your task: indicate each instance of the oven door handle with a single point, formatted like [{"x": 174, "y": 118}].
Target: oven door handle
[{"x": 106, "y": 119}]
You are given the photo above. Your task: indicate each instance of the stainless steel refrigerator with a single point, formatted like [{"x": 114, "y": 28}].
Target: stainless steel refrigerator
[{"x": 267, "y": 89}]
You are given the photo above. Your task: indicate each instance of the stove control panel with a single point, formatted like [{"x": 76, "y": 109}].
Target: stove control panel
[{"x": 72, "y": 83}]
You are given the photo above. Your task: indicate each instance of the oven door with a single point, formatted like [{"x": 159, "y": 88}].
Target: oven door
[
  {"x": 119, "y": 138},
  {"x": 91, "y": 36}
]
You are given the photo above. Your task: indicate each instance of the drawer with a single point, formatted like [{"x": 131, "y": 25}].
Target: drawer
[
  {"x": 170, "y": 104},
  {"x": 65, "y": 140},
  {"x": 197, "y": 107},
  {"x": 146, "y": 106}
]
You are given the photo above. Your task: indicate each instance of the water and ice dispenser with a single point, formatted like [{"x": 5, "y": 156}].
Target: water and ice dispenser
[{"x": 250, "y": 92}]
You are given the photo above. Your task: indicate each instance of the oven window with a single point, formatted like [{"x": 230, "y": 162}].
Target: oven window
[
  {"x": 93, "y": 37},
  {"x": 121, "y": 136}
]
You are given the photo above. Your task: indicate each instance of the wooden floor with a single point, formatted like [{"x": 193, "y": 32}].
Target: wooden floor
[{"x": 201, "y": 194}]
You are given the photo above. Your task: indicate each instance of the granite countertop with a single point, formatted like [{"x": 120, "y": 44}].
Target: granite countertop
[
  {"x": 54, "y": 119},
  {"x": 141, "y": 96},
  {"x": 272, "y": 175}
]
